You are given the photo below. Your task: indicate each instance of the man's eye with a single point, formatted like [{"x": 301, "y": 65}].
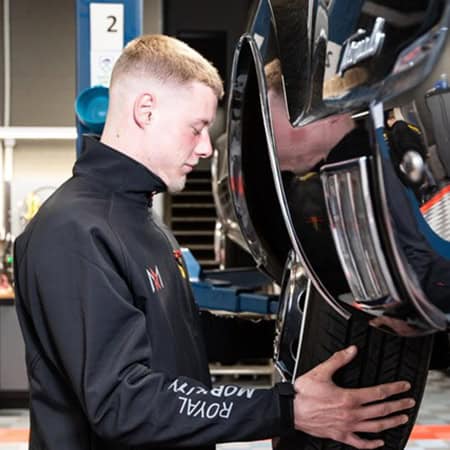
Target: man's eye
[{"x": 195, "y": 131}]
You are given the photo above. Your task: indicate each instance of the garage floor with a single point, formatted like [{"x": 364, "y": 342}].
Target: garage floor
[{"x": 432, "y": 429}]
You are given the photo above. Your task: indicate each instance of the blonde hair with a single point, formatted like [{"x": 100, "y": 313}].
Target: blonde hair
[
  {"x": 337, "y": 85},
  {"x": 274, "y": 76},
  {"x": 166, "y": 58}
]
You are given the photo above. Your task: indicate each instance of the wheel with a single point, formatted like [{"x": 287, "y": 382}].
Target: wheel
[{"x": 381, "y": 358}]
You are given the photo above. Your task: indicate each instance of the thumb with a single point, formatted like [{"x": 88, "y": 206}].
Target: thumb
[{"x": 336, "y": 361}]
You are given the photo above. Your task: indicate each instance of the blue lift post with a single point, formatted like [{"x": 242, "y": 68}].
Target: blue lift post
[{"x": 104, "y": 27}]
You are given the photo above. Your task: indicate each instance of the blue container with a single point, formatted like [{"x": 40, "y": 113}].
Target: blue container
[{"x": 91, "y": 107}]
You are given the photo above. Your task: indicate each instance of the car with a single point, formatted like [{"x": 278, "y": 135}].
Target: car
[{"x": 358, "y": 240}]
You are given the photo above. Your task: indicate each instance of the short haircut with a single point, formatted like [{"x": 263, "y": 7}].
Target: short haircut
[
  {"x": 166, "y": 58},
  {"x": 274, "y": 76}
]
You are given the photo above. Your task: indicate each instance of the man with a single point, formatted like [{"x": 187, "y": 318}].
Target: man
[
  {"x": 300, "y": 149},
  {"x": 114, "y": 353}
]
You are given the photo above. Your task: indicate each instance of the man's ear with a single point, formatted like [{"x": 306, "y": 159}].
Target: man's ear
[{"x": 143, "y": 109}]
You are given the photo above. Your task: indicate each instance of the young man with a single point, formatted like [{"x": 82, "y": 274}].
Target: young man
[{"x": 114, "y": 351}]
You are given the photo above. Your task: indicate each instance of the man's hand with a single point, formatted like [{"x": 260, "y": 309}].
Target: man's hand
[{"x": 325, "y": 410}]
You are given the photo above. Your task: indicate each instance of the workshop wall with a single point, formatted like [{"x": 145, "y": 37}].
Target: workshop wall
[{"x": 43, "y": 58}]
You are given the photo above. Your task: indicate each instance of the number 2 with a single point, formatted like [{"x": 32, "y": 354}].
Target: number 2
[{"x": 111, "y": 28}]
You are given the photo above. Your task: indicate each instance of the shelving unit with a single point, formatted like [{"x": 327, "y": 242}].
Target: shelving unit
[
  {"x": 13, "y": 376},
  {"x": 192, "y": 217}
]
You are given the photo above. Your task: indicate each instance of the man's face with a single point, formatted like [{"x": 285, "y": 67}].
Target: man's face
[
  {"x": 300, "y": 149},
  {"x": 178, "y": 132}
]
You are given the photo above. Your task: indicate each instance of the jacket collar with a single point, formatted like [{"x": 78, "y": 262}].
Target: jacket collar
[{"x": 115, "y": 170}]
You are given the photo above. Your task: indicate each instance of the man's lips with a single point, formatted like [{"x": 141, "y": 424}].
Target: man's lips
[{"x": 189, "y": 167}]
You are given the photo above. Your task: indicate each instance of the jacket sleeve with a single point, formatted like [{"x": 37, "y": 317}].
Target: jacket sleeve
[{"x": 101, "y": 346}]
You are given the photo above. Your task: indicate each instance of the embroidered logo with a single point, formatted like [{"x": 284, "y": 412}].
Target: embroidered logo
[
  {"x": 155, "y": 279},
  {"x": 179, "y": 260}
]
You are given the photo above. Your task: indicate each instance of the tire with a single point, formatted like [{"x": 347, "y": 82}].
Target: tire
[{"x": 381, "y": 358}]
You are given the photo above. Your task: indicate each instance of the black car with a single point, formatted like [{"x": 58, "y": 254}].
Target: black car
[{"x": 358, "y": 237}]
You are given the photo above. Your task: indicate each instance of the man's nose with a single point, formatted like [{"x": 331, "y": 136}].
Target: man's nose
[{"x": 204, "y": 147}]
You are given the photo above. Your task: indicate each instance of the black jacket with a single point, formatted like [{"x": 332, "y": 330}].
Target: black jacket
[{"x": 114, "y": 353}]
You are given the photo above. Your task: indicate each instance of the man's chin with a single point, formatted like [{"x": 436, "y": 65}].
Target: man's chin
[{"x": 176, "y": 186}]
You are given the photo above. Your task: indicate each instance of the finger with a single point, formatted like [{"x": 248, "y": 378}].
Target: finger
[
  {"x": 384, "y": 409},
  {"x": 376, "y": 426},
  {"x": 357, "y": 442},
  {"x": 335, "y": 362},
  {"x": 380, "y": 392}
]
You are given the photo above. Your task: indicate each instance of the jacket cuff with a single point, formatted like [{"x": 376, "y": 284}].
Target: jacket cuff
[{"x": 286, "y": 394}]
